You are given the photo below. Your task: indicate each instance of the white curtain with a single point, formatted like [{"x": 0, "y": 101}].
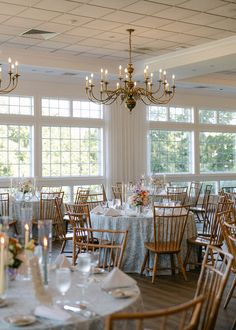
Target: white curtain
[{"x": 126, "y": 141}]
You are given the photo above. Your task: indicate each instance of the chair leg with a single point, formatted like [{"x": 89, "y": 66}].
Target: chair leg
[
  {"x": 154, "y": 271},
  {"x": 189, "y": 249},
  {"x": 182, "y": 266},
  {"x": 229, "y": 295},
  {"x": 63, "y": 246},
  {"x": 15, "y": 227},
  {"x": 144, "y": 262}
]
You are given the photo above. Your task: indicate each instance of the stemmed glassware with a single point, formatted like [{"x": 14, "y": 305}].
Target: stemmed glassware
[
  {"x": 84, "y": 267},
  {"x": 63, "y": 283}
]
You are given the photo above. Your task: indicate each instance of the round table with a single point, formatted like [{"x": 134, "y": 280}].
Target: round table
[
  {"x": 140, "y": 230},
  {"x": 21, "y": 300}
]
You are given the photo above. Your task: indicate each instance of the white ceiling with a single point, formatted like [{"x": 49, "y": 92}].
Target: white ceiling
[{"x": 195, "y": 39}]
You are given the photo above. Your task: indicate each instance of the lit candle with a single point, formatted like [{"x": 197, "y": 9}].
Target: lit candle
[
  {"x": 16, "y": 66},
  {"x": 91, "y": 78},
  {"x": 164, "y": 75},
  {"x": 87, "y": 82},
  {"x": 120, "y": 68},
  {"x": 160, "y": 74},
  {"x": 9, "y": 62},
  {"x": 101, "y": 73},
  {"x": 45, "y": 261},
  {"x": 106, "y": 73},
  {"x": 151, "y": 77},
  {"x": 173, "y": 80},
  {"x": 0, "y": 74},
  {"x": 117, "y": 85},
  {"x": 26, "y": 234},
  {"x": 2, "y": 279}
]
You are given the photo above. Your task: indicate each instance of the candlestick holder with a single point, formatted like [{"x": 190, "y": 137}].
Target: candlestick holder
[
  {"x": 3, "y": 264},
  {"x": 45, "y": 231}
]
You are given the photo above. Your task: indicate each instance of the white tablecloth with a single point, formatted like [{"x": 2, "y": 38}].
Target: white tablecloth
[
  {"x": 140, "y": 230},
  {"x": 21, "y": 300}
]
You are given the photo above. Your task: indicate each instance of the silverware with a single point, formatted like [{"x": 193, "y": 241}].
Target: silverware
[{"x": 87, "y": 313}]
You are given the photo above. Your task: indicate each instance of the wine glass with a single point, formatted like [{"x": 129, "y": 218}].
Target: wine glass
[
  {"x": 94, "y": 256},
  {"x": 63, "y": 282},
  {"x": 84, "y": 267}
]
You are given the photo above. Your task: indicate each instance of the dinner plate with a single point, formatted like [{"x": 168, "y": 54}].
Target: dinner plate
[
  {"x": 97, "y": 270},
  {"x": 20, "y": 320},
  {"x": 122, "y": 293}
]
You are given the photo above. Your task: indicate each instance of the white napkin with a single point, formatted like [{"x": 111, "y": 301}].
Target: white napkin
[
  {"x": 62, "y": 262},
  {"x": 117, "y": 279},
  {"x": 112, "y": 212},
  {"x": 97, "y": 210},
  {"x": 51, "y": 312}
]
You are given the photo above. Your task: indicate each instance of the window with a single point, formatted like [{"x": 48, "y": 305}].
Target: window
[
  {"x": 72, "y": 151},
  {"x": 174, "y": 114},
  {"x": 217, "y": 152},
  {"x": 217, "y": 117},
  {"x": 16, "y": 105},
  {"x": 55, "y": 107},
  {"x": 85, "y": 109},
  {"x": 170, "y": 151},
  {"x": 15, "y": 150}
]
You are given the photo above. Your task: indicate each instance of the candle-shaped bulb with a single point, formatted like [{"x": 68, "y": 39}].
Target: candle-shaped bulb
[
  {"x": 120, "y": 68},
  {"x": 126, "y": 70},
  {"x": 106, "y": 73},
  {"x": 101, "y": 73},
  {"x": 135, "y": 84},
  {"x": 173, "y": 80},
  {"x": 151, "y": 77},
  {"x": 160, "y": 74},
  {"x": 87, "y": 81},
  {"x": 16, "y": 66},
  {"x": 117, "y": 85},
  {"x": 9, "y": 60}
]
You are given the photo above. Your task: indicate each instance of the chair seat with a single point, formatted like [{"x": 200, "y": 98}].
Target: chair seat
[
  {"x": 197, "y": 209},
  {"x": 201, "y": 240},
  {"x": 161, "y": 247}
]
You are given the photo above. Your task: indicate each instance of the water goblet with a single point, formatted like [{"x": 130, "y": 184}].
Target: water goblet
[
  {"x": 63, "y": 283},
  {"x": 84, "y": 267},
  {"x": 94, "y": 256}
]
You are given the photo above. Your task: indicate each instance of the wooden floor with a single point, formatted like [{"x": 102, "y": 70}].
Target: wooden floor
[{"x": 170, "y": 290}]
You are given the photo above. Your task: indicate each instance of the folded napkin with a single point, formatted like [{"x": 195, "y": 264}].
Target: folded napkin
[
  {"x": 97, "y": 210},
  {"x": 112, "y": 212},
  {"x": 62, "y": 262},
  {"x": 51, "y": 312},
  {"x": 117, "y": 279}
]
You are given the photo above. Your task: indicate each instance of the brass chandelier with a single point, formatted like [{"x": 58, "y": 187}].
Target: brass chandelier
[
  {"x": 128, "y": 90},
  {"x": 13, "y": 76}
]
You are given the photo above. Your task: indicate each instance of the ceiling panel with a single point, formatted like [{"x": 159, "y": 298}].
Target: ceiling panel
[
  {"x": 61, "y": 5},
  {"x": 38, "y": 14},
  {"x": 228, "y": 10},
  {"x": 145, "y": 7},
  {"x": 113, "y": 4},
  {"x": 202, "y": 5},
  {"x": 101, "y": 25},
  {"x": 175, "y": 13},
  {"x": 73, "y": 20},
  {"x": 92, "y": 11},
  {"x": 152, "y": 22},
  {"x": 123, "y": 17}
]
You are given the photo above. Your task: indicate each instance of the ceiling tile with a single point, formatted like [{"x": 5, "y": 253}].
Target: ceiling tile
[
  {"x": 94, "y": 42},
  {"x": 73, "y": 20},
  {"x": 138, "y": 29},
  {"x": 182, "y": 38},
  {"x": 4, "y": 37},
  {"x": 60, "y": 5},
  {"x": 114, "y": 4},
  {"x": 179, "y": 27},
  {"x": 204, "y": 31},
  {"x": 77, "y": 48},
  {"x": 156, "y": 34},
  {"x": 102, "y": 25},
  {"x": 52, "y": 44},
  {"x": 202, "y": 19},
  {"x": 25, "y": 41},
  {"x": 22, "y": 2},
  {"x": 10, "y": 9},
  {"x": 113, "y": 36},
  {"x": 146, "y": 8},
  {"x": 228, "y": 10},
  {"x": 223, "y": 34},
  {"x": 152, "y": 22},
  {"x": 92, "y": 11},
  {"x": 4, "y": 18},
  {"x": 81, "y": 31},
  {"x": 226, "y": 24},
  {"x": 175, "y": 13},
  {"x": 202, "y": 5},
  {"x": 39, "y": 14},
  {"x": 122, "y": 17},
  {"x": 23, "y": 22},
  {"x": 54, "y": 27},
  {"x": 169, "y": 2},
  {"x": 67, "y": 38},
  {"x": 11, "y": 30}
]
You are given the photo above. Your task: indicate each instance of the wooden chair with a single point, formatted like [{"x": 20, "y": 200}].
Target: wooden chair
[
  {"x": 200, "y": 210},
  {"x": 78, "y": 214},
  {"x": 229, "y": 231},
  {"x": 47, "y": 204},
  {"x": 4, "y": 210},
  {"x": 81, "y": 195},
  {"x": 168, "y": 228},
  {"x": 60, "y": 226},
  {"x": 110, "y": 253},
  {"x": 177, "y": 194},
  {"x": 211, "y": 283},
  {"x": 228, "y": 189},
  {"x": 48, "y": 189},
  {"x": 194, "y": 193},
  {"x": 219, "y": 209},
  {"x": 182, "y": 317}
]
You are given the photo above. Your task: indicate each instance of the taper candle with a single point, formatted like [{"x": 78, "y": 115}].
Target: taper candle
[
  {"x": 45, "y": 260},
  {"x": 2, "y": 270},
  {"x": 26, "y": 234}
]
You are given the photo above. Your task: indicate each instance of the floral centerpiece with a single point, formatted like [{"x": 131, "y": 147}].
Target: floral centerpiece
[
  {"x": 140, "y": 197},
  {"x": 26, "y": 186}
]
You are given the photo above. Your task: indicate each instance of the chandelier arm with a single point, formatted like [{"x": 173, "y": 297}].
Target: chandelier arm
[
  {"x": 11, "y": 85},
  {"x": 112, "y": 97}
]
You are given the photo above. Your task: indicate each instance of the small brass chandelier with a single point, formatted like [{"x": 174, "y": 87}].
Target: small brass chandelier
[
  {"x": 128, "y": 90},
  {"x": 13, "y": 76}
]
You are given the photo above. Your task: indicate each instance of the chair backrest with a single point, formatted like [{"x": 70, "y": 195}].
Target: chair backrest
[
  {"x": 109, "y": 243},
  {"x": 4, "y": 204},
  {"x": 177, "y": 194},
  {"x": 229, "y": 231},
  {"x": 81, "y": 195},
  {"x": 228, "y": 189},
  {"x": 181, "y": 317},
  {"x": 169, "y": 224},
  {"x": 211, "y": 283},
  {"x": 219, "y": 209},
  {"x": 47, "y": 204},
  {"x": 47, "y": 189},
  {"x": 206, "y": 196},
  {"x": 79, "y": 215},
  {"x": 194, "y": 193},
  {"x": 59, "y": 223}
]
